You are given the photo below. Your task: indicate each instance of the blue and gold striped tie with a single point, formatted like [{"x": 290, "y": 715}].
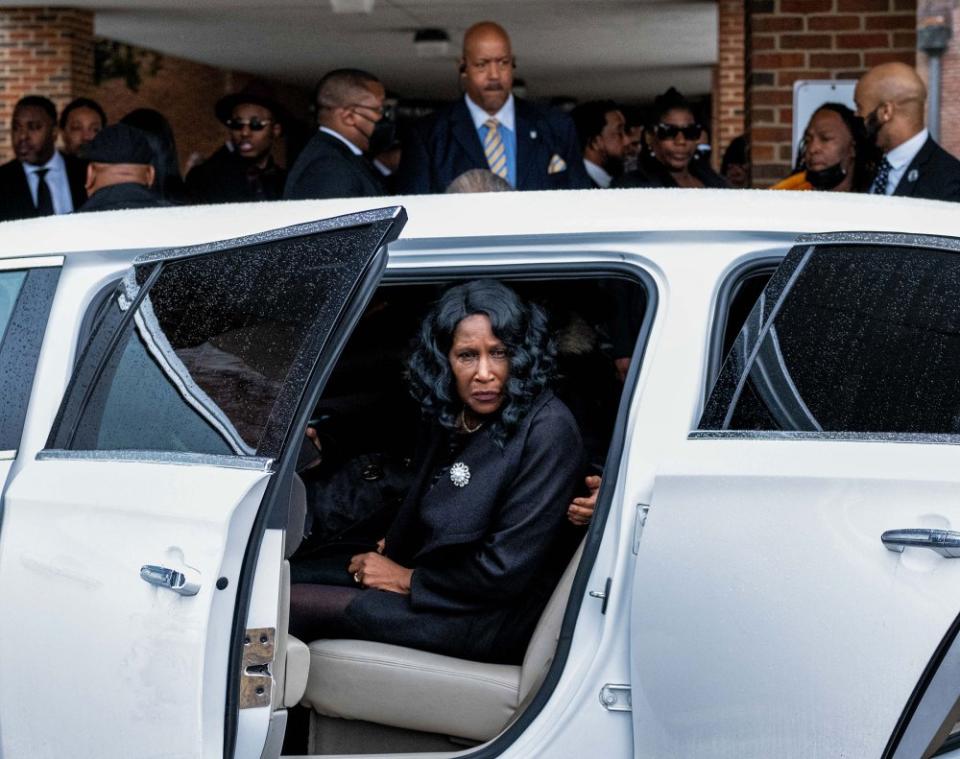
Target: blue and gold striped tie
[{"x": 494, "y": 150}]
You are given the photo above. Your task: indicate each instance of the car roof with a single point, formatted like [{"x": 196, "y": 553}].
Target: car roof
[{"x": 504, "y": 214}]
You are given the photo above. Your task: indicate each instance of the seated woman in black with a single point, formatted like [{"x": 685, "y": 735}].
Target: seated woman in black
[{"x": 478, "y": 545}]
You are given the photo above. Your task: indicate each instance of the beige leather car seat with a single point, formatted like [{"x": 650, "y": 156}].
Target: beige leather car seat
[{"x": 416, "y": 690}]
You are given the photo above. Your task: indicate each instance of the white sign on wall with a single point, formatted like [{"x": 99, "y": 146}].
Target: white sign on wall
[{"x": 810, "y": 94}]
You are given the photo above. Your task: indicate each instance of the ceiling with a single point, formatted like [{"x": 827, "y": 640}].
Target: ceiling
[{"x": 625, "y": 49}]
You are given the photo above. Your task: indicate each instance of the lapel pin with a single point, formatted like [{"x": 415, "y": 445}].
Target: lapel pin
[
  {"x": 460, "y": 474},
  {"x": 913, "y": 176},
  {"x": 533, "y": 134}
]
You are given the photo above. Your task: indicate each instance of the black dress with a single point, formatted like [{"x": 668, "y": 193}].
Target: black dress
[{"x": 486, "y": 555}]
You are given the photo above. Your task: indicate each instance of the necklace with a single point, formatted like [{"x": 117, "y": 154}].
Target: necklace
[{"x": 463, "y": 423}]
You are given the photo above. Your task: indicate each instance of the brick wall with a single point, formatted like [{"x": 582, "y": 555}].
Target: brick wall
[
  {"x": 949, "y": 89},
  {"x": 728, "y": 94},
  {"x": 185, "y": 92},
  {"x": 45, "y": 51},
  {"x": 50, "y": 51},
  {"x": 789, "y": 40}
]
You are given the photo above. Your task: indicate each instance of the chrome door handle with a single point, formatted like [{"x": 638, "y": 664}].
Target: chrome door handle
[
  {"x": 170, "y": 579},
  {"x": 944, "y": 542}
]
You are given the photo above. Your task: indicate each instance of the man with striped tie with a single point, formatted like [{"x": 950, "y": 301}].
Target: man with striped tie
[{"x": 531, "y": 147}]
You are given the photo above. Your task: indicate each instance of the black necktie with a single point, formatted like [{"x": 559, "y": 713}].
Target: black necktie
[
  {"x": 883, "y": 176},
  {"x": 44, "y": 198}
]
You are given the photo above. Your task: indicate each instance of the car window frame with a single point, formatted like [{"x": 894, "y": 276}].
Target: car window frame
[
  {"x": 33, "y": 294},
  {"x": 778, "y": 289},
  {"x": 278, "y": 489},
  {"x": 108, "y": 332},
  {"x": 726, "y": 295}
]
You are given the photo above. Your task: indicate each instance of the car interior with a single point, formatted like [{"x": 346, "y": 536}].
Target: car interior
[{"x": 359, "y": 697}]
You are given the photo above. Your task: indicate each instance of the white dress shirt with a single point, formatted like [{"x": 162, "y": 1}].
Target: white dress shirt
[
  {"x": 597, "y": 174},
  {"x": 353, "y": 148},
  {"x": 902, "y": 156},
  {"x": 56, "y": 179},
  {"x": 506, "y": 116}
]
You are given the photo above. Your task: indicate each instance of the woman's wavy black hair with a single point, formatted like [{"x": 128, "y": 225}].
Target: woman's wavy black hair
[{"x": 521, "y": 326}]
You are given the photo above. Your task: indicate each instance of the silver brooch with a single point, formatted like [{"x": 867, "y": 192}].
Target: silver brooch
[
  {"x": 913, "y": 176},
  {"x": 460, "y": 474}
]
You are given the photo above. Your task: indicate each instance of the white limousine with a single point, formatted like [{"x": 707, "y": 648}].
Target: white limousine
[{"x": 769, "y": 384}]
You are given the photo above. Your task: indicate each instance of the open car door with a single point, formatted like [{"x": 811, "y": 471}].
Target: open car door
[
  {"x": 798, "y": 569},
  {"x": 129, "y": 548}
]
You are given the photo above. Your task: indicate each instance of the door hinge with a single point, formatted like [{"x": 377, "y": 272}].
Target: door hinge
[
  {"x": 638, "y": 524},
  {"x": 616, "y": 698},
  {"x": 256, "y": 680}
]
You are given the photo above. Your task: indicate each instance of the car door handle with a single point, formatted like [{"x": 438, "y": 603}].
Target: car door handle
[
  {"x": 944, "y": 542},
  {"x": 171, "y": 579}
]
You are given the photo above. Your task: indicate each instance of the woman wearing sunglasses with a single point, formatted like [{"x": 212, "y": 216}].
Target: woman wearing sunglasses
[
  {"x": 834, "y": 153},
  {"x": 672, "y": 139}
]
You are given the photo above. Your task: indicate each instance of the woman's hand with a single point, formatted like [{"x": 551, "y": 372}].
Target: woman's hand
[
  {"x": 580, "y": 511},
  {"x": 371, "y": 570}
]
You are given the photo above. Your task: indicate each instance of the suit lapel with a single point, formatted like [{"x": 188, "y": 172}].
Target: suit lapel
[
  {"x": 465, "y": 134},
  {"x": 915, "y": 170},
  {"x": 527, "y": 138}
]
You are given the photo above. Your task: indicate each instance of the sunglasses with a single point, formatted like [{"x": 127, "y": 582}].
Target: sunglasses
[
  {"x": 256, "y": 125},
  {"x": 670, "y": 131}
]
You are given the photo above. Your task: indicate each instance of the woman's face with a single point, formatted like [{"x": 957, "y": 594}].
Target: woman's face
[
  {"x": 480, "y": 365},
  {"x": 828, "y": 142},
  {"x": 675, "y": 152}
]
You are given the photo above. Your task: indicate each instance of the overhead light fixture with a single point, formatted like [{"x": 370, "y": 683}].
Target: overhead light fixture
[
  {"x": 431, "y": 43},
  {"x": 352, "y": 6}
]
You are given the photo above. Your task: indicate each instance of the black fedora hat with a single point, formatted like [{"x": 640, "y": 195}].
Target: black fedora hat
[{"x": 254, "y": 94}]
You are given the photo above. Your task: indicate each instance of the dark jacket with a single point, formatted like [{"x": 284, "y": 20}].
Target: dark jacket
[
  {"x": 933, "y": 173},
  {"x": 486, "y": 556},
  {"x": 123, "y": 195},
  {"x": 652, "y": 173},
  {"x": 225, "y": 177},
  {"x": 326, "y": 168},
  {"x": 16, "y": 202},
  {"x": 445, "y": 144}
]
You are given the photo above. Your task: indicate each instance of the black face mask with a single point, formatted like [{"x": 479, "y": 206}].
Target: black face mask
[
  {"x": 872, "y": 125},
  {"x": 828, "y": 178},
  {"x": 382, "y": 137}
]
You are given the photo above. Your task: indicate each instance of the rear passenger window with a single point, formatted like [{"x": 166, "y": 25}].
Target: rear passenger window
[{"x": 848, "y": 339}]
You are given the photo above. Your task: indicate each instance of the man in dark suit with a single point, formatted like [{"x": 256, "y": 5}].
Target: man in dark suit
[
  {"x": 532, "y": 147},
  {"x": 891, "y": 99},
  {"x": 120, "y": 173},
  {"x": 40, "y": 181},
  {"x": 601, "y": 129},
  {"x": 333, "y": 165},
  {"x": 245, "y": 170}
]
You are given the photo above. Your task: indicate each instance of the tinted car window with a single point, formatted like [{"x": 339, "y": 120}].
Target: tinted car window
[
  {"x": 862, "y": 340},
  {"x": 25, "y": 298},
  {"x": 218, "y": 345}
]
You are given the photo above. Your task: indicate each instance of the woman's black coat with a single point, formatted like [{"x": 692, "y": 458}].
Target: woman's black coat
[
  {"x": 486, "y": 556},
  {"x": 652, "y": 173}
]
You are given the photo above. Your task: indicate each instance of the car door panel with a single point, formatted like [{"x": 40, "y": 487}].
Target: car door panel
[
  {"x": 226, "y": 335},
  {"x": 818, "y": 633},
  {"x": 102, "y": 630},
  {"x": 769, "y": 618}
]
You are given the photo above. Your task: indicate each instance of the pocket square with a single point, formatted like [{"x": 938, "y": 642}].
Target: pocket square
[{"x": 557, "y": 164}]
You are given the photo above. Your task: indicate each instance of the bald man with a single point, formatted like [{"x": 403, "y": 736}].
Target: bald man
[
  {"x": 531, "y": 147},
  {"x": 334, "y": 163},
  {"x": 891, "y": 100}
]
